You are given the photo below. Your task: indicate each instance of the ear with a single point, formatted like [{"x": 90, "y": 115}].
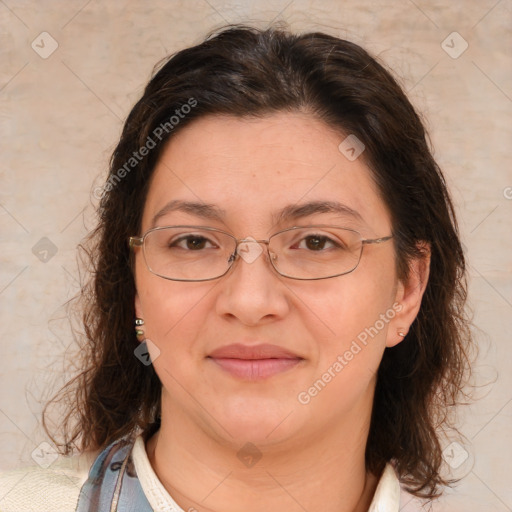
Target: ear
[
  {"x": 409, "y": 295},
  {"x": 138, "y": 306}
]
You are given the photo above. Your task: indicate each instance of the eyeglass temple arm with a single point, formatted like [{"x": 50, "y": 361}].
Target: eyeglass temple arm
[
  {"x": 377, "y": 240},
  {"x": 135, "y": 241}
]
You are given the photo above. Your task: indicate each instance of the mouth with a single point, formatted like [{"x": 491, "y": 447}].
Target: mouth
[{"x": 254, "y": 362}]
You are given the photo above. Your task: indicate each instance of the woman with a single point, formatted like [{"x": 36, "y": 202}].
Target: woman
[{"x": 275, "y": 319}]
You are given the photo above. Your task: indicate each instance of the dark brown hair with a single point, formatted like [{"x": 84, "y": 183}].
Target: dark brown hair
[{"x": 242, "y": 71}]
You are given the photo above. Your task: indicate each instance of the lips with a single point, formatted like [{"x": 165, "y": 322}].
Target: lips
[
  {"x": 264, "y": 351},
  {"x": 254, "y": 362}
]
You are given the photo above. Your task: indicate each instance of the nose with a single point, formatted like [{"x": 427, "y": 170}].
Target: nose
[{"x": 252, "y": 291}]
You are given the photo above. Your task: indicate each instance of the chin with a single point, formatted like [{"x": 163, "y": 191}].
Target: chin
[{"x": 257, "y": 420}]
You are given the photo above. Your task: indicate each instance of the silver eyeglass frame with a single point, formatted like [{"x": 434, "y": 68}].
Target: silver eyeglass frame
[{"x": 138, "y": 241}]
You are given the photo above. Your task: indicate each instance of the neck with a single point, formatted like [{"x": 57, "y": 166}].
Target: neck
[{"x": 323, "y": 472}]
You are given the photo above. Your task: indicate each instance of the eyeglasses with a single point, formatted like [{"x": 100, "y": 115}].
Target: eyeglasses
[{"x": 197, "y": 253}]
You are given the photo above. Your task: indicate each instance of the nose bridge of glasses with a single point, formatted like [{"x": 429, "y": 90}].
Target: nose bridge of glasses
[
  {"x": 249, "y": 248},
  {"x": 250, "y": 239}
]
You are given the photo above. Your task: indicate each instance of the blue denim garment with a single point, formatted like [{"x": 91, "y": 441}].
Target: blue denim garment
[{"x": 113, "y": 485}]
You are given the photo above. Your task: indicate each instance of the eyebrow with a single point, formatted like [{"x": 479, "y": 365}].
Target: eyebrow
[
  {"x": 204, "y": 210},
  {"x": 297, "y": 211},
  {"x": 290, "y": 212}
]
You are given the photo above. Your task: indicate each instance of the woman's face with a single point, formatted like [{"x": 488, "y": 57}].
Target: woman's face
[{"x": 327, "y": 336}]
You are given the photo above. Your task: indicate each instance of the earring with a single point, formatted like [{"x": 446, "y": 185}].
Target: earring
[
  {"x": 138, "y": 323},
  {"x": 401, "y": 333}
]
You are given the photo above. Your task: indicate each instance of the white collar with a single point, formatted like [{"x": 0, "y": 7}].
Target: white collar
[{"x": 387, "y": 494}]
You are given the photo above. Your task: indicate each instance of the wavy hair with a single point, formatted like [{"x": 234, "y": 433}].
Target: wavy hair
[{"x": 246, "y": 72}]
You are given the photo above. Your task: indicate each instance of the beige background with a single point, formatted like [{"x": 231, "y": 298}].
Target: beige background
[{"x": 61, "y": 116}]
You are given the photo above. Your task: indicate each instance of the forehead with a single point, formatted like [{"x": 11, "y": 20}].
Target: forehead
[{"x": 250, "y": 168}]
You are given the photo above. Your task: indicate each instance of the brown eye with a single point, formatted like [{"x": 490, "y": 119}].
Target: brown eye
[
  {"x": 196, "y": 243},
  {"x": 316, "y": 243},
  {"x": 191, "y": 243}
]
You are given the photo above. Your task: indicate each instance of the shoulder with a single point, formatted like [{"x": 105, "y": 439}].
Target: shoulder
[{"x": 54, "y": 487}]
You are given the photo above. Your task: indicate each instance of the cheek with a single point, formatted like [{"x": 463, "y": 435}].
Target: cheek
[
  {"x": 172, "y": 319},
  {"x": 357, "y": 309},
  {"x": 358, "y": 312},
  {"x": 174, "y": 314}
]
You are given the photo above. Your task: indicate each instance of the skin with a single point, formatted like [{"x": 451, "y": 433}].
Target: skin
[{"x": 312, "y": 456}]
